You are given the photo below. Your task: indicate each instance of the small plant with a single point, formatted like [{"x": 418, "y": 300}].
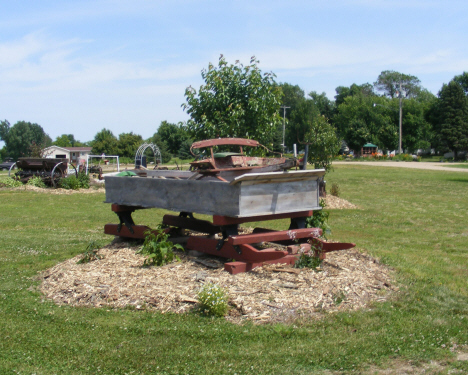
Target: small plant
[
  {"x": 83, "y": 179},
  {"x": 74, "y": 183},
  {"x": 37, "y": 182},
  {"x": 159, "y": 249},
  {"x": 308, "y": 261},
  {"x": 91, "y": 253},
  {"x": 70, "y": 183},
  {"x": 339, "y": 297},
  {"x": 10, "y": 183},
  {"x": 335, "y": 190},
  {"x": 319, "y": 220},
  {"x": 213, "y": 300}
]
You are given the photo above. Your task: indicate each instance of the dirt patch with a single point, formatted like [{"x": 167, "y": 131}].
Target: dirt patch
[{"x": 347, "y": 280}]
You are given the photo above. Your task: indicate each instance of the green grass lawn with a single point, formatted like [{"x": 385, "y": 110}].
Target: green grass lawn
[
  {"x": 457, "y": 166},
  {"x": 413, "y": 220}
]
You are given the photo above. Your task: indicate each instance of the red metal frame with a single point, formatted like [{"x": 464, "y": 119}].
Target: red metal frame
[{"x": 241, "y": 248}]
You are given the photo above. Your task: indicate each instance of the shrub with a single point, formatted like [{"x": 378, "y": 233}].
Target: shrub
[
  {"x": 335, "y": 190},
  {"x": 36, "y": 181},
  {"x": 91, "y": 253},
  {"x": 213, "y": 300},
  {"x": 308, "y": 260},
  {"x": 10, "y": 183},
  {"x": 319, "y": 220},
  {"x": 74, "y": 183},
  {"x": 158, "y": 248},
  {"x": 70, "y": 183},
  {"x": 83, "y": 178}
]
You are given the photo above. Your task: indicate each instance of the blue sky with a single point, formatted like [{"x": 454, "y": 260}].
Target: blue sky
[{"x": 79, "y": 66}]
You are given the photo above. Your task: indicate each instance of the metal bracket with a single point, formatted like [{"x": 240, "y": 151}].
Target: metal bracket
[
  {"x": 186, "y": 214},
  {"x": 228, "y": 230},
  {"x": 125, "y": 218}
]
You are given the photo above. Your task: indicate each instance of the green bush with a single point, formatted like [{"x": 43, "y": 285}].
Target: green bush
[
  {"x": 83, "y": 178},
  {"x": 10, "y": 183},
  {"x": 319, "y": 220},
  {"x": 308, "y": 260},
  {"x": 36, "y": 181},
  {"x": 159, "y": 249},
  {"x": 74, "y": 183},
  {"x": 70, "y": 183},
  {"x": 213, "y": 300}
]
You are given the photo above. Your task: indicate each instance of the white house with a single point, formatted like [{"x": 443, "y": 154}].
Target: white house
[{"x": 76, "y": 155}]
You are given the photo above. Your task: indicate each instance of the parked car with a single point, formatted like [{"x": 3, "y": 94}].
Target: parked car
[{"x": 6, "y": 165}]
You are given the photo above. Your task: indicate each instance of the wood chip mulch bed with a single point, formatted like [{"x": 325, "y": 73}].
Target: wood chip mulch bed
[{"x": 346, "y": 280}]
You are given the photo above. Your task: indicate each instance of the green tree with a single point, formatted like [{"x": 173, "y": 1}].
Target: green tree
[
  {"x": 342, "y": 92},
  {"x": 453, "y": 117},
  {"x": 173, "y": 135},
  {"x": 324, "y": 105},
  {"x": 19, "y": 137},
  {"x": 67, "y": 140},
  {"x": 293, "y": 95},
  {"x": 128, "y": 144},
  {"x": 104, "y": 142},
  {"x": 235, "y": 101},
  {"x": 358, "y": 122},
  {"x": 462, "y": 80},
  {"x": 163, "y": 149},
  {"x": 389, "y": 82},
  {"x": 314, "y": 130}
]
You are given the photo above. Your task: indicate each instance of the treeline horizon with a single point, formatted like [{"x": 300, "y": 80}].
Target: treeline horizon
[{"x": 360, "y": 113}]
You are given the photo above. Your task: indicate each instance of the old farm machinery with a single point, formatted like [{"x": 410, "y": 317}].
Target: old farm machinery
[
  {"x": 49, "y": 170},
  {"x": 234, "y": 189}
]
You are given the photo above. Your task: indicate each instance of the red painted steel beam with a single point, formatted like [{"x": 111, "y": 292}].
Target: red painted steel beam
[
  {"x": 284, "y": 235},
  {"x": 326, "y": 247},
  {"x": 237, "y": 267},
  {"x": 226, "y": 220},
  {"x": 248, "y": 253}
]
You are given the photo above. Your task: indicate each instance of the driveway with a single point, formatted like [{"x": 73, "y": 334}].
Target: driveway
[{"x": 404, "y": 164}]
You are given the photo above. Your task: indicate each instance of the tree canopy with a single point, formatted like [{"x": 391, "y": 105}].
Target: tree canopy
[
  {"x": 20, "y": 137},
  {"x": 235, "y": 101},
  {"x": 453, "y": 117},
  {"x": 389, "y": 83},
  {"x": 104, "y": 142}
]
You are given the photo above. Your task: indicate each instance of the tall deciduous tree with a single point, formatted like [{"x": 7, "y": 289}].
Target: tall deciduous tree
[
  {"x": 389, "y": 83},
  {"x": 235, "y": 101},
  {"x": 19, "y": 137},
  {"x": 314, "y": 130},
  {"x": 104, "y": 142},
  {"x": 67, "y": 140},
  {"x": 293, "y": 95},
  {"x": 173, "y": 134},
  {"x": 462, "y": 80},
  {"x": 128, "y": 144},
  {"x": 453, "y": 117}
]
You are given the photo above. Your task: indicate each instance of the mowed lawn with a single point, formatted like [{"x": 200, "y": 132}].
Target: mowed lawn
[{"x": 415, "y": 221}]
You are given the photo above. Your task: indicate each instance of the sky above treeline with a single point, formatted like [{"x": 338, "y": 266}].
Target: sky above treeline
[{"x": 80, "y": 66}]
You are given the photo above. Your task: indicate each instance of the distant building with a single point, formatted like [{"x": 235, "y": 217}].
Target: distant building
[
  {"x": 368, "y": 149},
  {"x": 76, "y": 155}
]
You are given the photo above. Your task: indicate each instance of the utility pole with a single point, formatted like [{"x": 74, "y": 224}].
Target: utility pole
[
  {"x": 284, "y": 124},
  {"x": 401, "y": 120}
]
